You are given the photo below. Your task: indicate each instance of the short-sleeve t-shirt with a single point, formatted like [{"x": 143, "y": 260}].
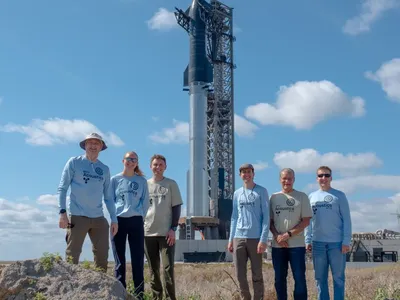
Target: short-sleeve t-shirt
[
  {"x": 163, "y": 195},
  {"x": 286, "y": 211}
]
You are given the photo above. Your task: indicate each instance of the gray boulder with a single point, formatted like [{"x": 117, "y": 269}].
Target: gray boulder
[{"x": 58, "y": 280}]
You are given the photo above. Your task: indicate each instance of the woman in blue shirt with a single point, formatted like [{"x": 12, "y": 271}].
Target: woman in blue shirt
[{"x": 130, "y": 193}]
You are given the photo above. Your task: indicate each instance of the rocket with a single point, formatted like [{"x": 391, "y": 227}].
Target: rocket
[{"x": 197, "y": 76}]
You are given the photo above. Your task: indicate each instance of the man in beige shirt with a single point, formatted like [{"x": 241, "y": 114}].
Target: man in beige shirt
[
  {"x": 160, "y": 226},
  {"x": 290, "y": 213}
]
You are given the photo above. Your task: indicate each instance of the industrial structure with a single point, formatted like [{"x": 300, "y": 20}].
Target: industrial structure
[
  {"x": 209, "y": 80},
  {"x": 380, "y": 246}
]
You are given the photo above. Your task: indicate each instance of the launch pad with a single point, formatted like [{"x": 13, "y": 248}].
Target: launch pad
[{"x": 207, "y": 226}]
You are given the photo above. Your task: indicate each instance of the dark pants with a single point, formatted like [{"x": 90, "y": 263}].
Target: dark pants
[
  {"x": 154, "y": 246},
  {"x": 133, "y": 229},
  {"x": 281, "y": 257}
]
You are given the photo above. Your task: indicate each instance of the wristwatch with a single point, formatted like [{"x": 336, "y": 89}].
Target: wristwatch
[
  {"x": 174, "y": 228},
  {"x": 289, "y": 233},
  {"x": 62, "y": 211}
]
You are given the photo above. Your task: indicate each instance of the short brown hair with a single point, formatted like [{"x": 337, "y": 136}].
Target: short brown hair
[
  {"x": 325, "y": 168},
  {"x": 246, "y": 166},
  {"x": 158, "y": 156}
]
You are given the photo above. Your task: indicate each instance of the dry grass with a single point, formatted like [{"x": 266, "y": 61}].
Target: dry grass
[{"x": 218, "y": 281}]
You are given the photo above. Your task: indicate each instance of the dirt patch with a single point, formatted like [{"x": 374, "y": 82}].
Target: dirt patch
[{"x": 58, "y": 280}]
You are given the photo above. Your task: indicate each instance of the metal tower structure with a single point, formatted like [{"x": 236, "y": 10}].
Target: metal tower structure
[
  {"x": 219, "y": 39},
  {"x": 220, "y": 109}
]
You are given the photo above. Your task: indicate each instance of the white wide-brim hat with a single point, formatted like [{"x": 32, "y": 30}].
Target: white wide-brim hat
[{"x": 93, "y": 136}]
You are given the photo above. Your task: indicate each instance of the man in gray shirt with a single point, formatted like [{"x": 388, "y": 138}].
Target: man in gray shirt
[
  {"x": 160, "y": 225},
  {"x": 290, "y": 214}
]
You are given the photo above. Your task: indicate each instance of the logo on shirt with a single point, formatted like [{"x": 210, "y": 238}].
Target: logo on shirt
[
  {"x": 290, "y": 202},
  {"x": 282, "y": 208},
  {"x": 322, "y": 205},
  {"x": 99, "y": 171},
  {"x": 162, "y": 190},
  {"x": 134, "y": 185},
  {"x": 328, "y": 199},
  {"x": 151, "y": 201},
  {"x": 314, "y": 209},
  {"x": 252, "y": 197},
  {"x": 247, "y": 203},
  {"x": 87, "y": 176}
]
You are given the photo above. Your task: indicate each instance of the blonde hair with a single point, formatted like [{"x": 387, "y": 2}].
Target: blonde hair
[{"x": 137, "y": 170}]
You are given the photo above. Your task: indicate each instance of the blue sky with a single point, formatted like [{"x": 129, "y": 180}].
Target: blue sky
[{"x": 316, "y": 83}]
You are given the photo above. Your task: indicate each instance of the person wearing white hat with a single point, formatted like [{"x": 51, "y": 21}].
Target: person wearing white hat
[{"x": 89, "y": 180}]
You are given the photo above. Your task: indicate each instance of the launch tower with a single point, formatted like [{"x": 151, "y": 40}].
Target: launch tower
[{"x": 215, "y": 20}]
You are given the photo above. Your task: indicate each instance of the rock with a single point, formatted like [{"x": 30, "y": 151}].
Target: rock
[{"x": 58, "y": 280}]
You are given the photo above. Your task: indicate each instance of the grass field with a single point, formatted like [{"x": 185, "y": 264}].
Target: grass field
[{"x": 217, "y": 281}]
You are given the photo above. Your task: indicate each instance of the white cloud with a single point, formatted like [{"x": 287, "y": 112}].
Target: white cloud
[
  {"x": 308, "y": 160},
  {"x": 388, "y": 75},
  {"x": 305, "y": 104},
  {"x": 260, "y": 165},
  {"x": 372, "y": 215},
  {"x": 178, "y": 134},
  {"x": 59, "y": 131},
  {"x": 163, "y": 19},
  {"x": 25, "y": 226},
  {"x": 352, "y": 184},
  {"x": 371, "y": 11},
  {"x": 243, "y": 127},
  {"x": 48, "y": 200}
]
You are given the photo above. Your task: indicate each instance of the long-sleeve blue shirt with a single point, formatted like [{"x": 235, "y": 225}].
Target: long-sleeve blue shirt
[
  {"x": 89, "y": 182},
  {"x": 130, "y": 194},
  {"x": 331, "y": 221},
  {"x": 250, "y": 214}
]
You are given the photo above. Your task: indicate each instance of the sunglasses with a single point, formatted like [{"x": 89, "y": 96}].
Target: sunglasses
[
  {"x": 131, "y": 159},
  {"x": 324, "y": 175},
  {"x": 70, "y": 226}
]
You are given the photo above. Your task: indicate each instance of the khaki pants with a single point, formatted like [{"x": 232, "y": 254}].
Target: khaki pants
[
  {"x": 98, "y": 230},
  {"x": 153, "y": 247},
  {"x": 245, "y": 249}
]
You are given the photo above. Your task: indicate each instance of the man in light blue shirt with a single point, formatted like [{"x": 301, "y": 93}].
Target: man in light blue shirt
[
  {"x": 329, "y": 235},
  {"x": 89, "y": 180},
  {"x": 249, "y": 231}
]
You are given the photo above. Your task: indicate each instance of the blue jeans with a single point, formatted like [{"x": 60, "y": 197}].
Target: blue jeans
[
  {"x": 325, "y": 255},
  {"x": 280, "y": 260}
]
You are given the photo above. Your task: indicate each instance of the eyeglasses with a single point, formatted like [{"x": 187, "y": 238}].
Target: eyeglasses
[
  {"x": 131, "y": 159},
  {"x": 324, "y": 175}
]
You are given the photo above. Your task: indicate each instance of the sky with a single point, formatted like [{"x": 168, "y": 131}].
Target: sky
[{"x": 316, "y": 83}]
